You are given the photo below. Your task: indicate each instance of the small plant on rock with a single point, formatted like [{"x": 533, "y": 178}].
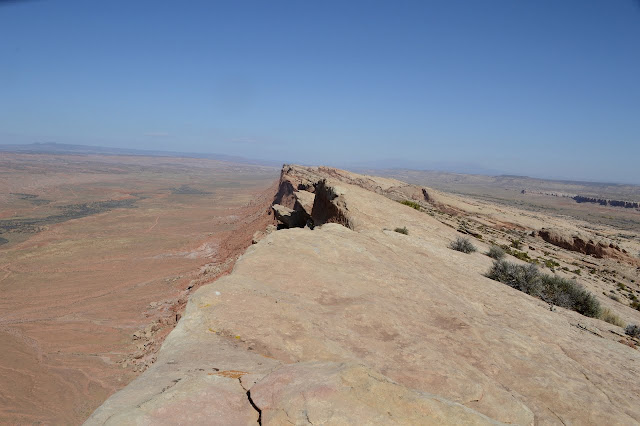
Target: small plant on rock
[
  {"x": 496, "y": 252},
  {"x": 609, "y": 316},
  {"x": 463, "y": 245},
  {"x": 633, "y": 331},
  {"x": 524, "y": 256},
  {"x": 402, "y": 230},
  {"x": 411, "y": 204}
]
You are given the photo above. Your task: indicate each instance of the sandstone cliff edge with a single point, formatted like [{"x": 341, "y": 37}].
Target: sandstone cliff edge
[{"x": 337, "y": 319}]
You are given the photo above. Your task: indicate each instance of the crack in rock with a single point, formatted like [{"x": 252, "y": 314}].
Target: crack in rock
[{"x": 255, "y": 407}]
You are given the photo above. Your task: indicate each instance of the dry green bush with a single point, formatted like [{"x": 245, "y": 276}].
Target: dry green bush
[
  {"x": 550, "y": 288},
  {"x": 609, "y": 316},
  {"x": 633, "y": 331},
  {"x": 496, "y": 252},
  {"x": 463, "y": 245}
]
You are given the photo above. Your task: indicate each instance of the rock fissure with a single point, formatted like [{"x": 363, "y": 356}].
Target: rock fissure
[{"x": 253, "y": 405}]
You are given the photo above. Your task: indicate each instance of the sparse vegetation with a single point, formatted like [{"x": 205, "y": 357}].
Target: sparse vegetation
[
  {"x": 550, "y": 288},
  {"x": 463, "y": 245},
  {"x": 410, "y": 203},
  {"x": 633, "y": 331},
  {"x": 516, "y": 244},
  {"x": 525, "y": 278},
  {"x": 614, "y": 297},
  {"x": 496, "y": 252},
  {"x": 507, "y": 249},
  {"x": 609, "y": 316},
  {"x": 524, "y": 256},
  {"x": 521, "y": 255},
  {"x": 550, "y": 263},
  {"x": 402, "y": 230},
  {"x": 67, "y": 212}
]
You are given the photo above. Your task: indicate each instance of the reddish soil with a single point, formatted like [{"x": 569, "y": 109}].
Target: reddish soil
[{"x": 87, "y": 300}]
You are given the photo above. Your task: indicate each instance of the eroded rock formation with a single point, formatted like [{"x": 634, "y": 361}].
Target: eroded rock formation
[{"x": 585, "y": 245}]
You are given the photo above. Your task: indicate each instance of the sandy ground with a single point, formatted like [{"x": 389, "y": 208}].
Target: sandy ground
[{"x": 87, "y": 301}]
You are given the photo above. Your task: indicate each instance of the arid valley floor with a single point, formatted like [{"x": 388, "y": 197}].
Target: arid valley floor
[
  {"x": 119, "y": 296},
  {"x": 97, "y": 249}
]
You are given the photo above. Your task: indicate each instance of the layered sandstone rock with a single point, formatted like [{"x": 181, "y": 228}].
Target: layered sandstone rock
[
  {"x": 582, "y": 244},
  {"x": 352, "y": 323}
]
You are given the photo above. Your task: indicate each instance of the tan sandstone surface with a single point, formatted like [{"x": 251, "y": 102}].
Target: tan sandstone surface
[{"x": 353, "y": 323}]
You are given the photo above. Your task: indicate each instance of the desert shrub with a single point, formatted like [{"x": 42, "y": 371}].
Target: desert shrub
[
  {"x": 402, "y": 230},
  {"x": 609, "y": 316},
  {"x": 569, "y": 294},
  {"x": 496, "y": 252},
  {"x": 516, "y": 244},
  {"x": 525, "y": 278},
  {"x": 410, "y": 203},
  {"x": 614, "y": 297},
  {"x": 633, "y": 331},
  {"x": 550, "y": 288},
  {"x": 463, "y": 245},
  {"x": 577, "y": 271}
]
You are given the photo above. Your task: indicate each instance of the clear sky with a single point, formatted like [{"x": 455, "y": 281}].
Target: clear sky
[{"x": 541, "y": 88}]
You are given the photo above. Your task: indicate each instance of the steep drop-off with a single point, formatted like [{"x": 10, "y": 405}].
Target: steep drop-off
[{"x": 345, "y": 321}]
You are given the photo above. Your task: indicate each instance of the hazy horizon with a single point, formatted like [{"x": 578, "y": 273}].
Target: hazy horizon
[
  {"x": 541, "y": 89},
  {"x": 362, "y": 167}
]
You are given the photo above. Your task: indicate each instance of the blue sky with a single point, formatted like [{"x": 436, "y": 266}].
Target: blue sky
[{"x": 541, "y": 88}]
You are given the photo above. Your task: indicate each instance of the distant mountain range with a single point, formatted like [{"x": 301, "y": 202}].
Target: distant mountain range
[{"x": 62, "y": 148}]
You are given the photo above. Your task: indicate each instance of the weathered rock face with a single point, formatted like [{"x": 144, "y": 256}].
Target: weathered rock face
[
  {"x": 583, "y": 245},
  {"x": 289, "y": 217},
  {"x": 339, "y": 393},
  {"x": 363, "y": 325}
]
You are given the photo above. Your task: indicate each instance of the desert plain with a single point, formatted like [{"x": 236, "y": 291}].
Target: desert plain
[
  {"x": 160, "y": 290},
  {"x": 98, "y": 256}
]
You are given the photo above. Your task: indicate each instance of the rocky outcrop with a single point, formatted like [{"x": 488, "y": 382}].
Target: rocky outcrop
[
  {"x": 305, "y": 199},
  {"x": 358, "y": 324},
  {"x": 289, "y": 217},
  {"x": 582, "y": 244}
]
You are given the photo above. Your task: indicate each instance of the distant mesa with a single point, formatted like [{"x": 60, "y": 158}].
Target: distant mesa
[
  {"x": 604, "y": 202},
  {"x": 585, "y": 199}
]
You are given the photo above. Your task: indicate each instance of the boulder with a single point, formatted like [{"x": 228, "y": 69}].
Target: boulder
[
  {"x": 289, "y": 217},
  {"x": 304, "y": 201}
]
